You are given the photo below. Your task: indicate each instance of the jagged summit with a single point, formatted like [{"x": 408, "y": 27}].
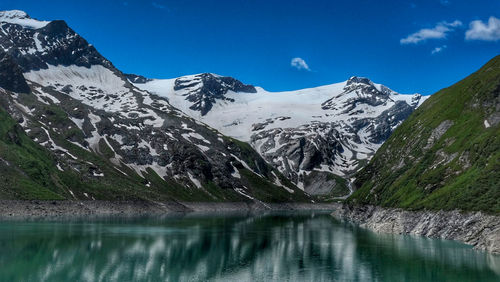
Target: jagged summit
[
  {"x": 366, "y": 86},
  {"x": 21, "y": 18},
  {"x": 205, "y": 89},
  {"x": 213, "y": 84},
  {"x": 38, "y": 45},
  {"x": 358, "y": 79},
  {"x": 135, "y": 78}
]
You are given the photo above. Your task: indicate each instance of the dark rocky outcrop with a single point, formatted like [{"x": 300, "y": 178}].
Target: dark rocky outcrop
[
  {"x": 134, "y": 78},
  {"x": 204, "y": 89},
  {"x": 11, "y": 76}
]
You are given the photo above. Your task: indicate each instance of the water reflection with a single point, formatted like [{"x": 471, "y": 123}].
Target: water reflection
[{"x": 279, "y": 247}]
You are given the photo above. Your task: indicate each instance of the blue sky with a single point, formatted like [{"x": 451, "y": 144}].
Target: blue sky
[{"x": 410, "y": 46}]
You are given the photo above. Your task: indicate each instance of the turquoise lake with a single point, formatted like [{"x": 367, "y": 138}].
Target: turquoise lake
[{"x": 291, "y": 246}]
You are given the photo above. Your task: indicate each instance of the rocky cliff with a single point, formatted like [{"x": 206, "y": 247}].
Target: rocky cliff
[{"x": 478, "y": 229}]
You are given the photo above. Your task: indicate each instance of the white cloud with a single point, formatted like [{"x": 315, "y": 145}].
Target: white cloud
[
  {"x": 437, "y": 32},
  {"x": 438, "y": 49},
  {"x": 299, "y": 64},
  {"x": 484, "y": 31}
]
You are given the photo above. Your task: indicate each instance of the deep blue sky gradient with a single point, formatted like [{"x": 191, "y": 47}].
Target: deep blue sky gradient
[{"x": 254, "y": 41}]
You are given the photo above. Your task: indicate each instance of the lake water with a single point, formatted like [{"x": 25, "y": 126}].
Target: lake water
[{"x": 305, "y": 246}]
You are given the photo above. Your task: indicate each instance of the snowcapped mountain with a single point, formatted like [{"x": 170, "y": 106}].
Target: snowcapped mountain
[
  {"x": 95, "y": 124},
  {"x": 310, "y": 135},
  {"x": 67, "y": 97}
]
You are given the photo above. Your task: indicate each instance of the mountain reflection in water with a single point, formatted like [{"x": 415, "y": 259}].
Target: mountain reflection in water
[{"x": 302, "y": 246}]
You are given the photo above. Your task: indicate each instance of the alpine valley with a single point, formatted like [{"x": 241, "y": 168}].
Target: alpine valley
[
  {"x": 316, "y": 137},
  {"x": 75, "y": 127},
  {"x": 111, "y": 172}
]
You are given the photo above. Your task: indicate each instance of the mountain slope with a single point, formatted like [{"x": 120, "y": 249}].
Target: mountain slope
[
  {"x": 446, "y": 155},
  {"x": 93, "y": 135},
  {"x": 314, "y": 136}
]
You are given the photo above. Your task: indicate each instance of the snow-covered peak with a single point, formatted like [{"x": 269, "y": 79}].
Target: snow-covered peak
[
  {"x": 328, "y": 129},
  {"x": 357, "y": 79},
  {"x": 366, "y": 87},
  {"x": 13, "y": 14},
  {"x": 21, "y": 18}
]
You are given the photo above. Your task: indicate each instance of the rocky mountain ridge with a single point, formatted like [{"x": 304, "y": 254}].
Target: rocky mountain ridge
[
  {"x": 105, "y": 138},
  {"x": 316, "y": 137}
]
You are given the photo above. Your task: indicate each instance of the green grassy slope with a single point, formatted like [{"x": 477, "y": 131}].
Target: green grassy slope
[
  {"x": 29, "y": 171},
  {"x": 419, "y": 168}
]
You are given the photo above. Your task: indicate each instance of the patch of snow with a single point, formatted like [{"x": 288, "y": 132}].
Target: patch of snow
[
  {"x": 121, "y": 171},
  {"x": 203, "y": 148},
  {"x": 21, "y": 18},
  {"x": 79, "y": 145},
  {"x": 94, "y": 139},
  {"x": 241, "y": 191},
  {"x": 53, "y": 146},
  {"x": 93, "y": 86},
  {"x": 77, "y": 122},
  {"x": 236, "y": 173},
  {"x": 278, "y": 183},
  {"x": 38, "y": 44},
  {"x": 195, "y": 181},
  {"x": 245, "y": 165},
  {"x": 486, "y": 123}
]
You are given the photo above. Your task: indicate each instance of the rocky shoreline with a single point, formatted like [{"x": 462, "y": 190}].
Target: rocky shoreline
[
  {"x": 474, "y": 228},
  {"x": 37, "y": 208}
]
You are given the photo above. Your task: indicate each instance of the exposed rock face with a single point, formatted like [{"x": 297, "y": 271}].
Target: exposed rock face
[
  {"x": 335, "y": 146},
  {"x": 11, "y": 76},
  {"x": 475, "y": 228},
  {"x": 134, "y": 78},
  {"x": 295, "y": 150},
  {"x": 202, "y": 90},
  {"x": 437, "y": 133},
  {"x": 53, "y": 44},
  {"x": 382, "y": 126}
]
